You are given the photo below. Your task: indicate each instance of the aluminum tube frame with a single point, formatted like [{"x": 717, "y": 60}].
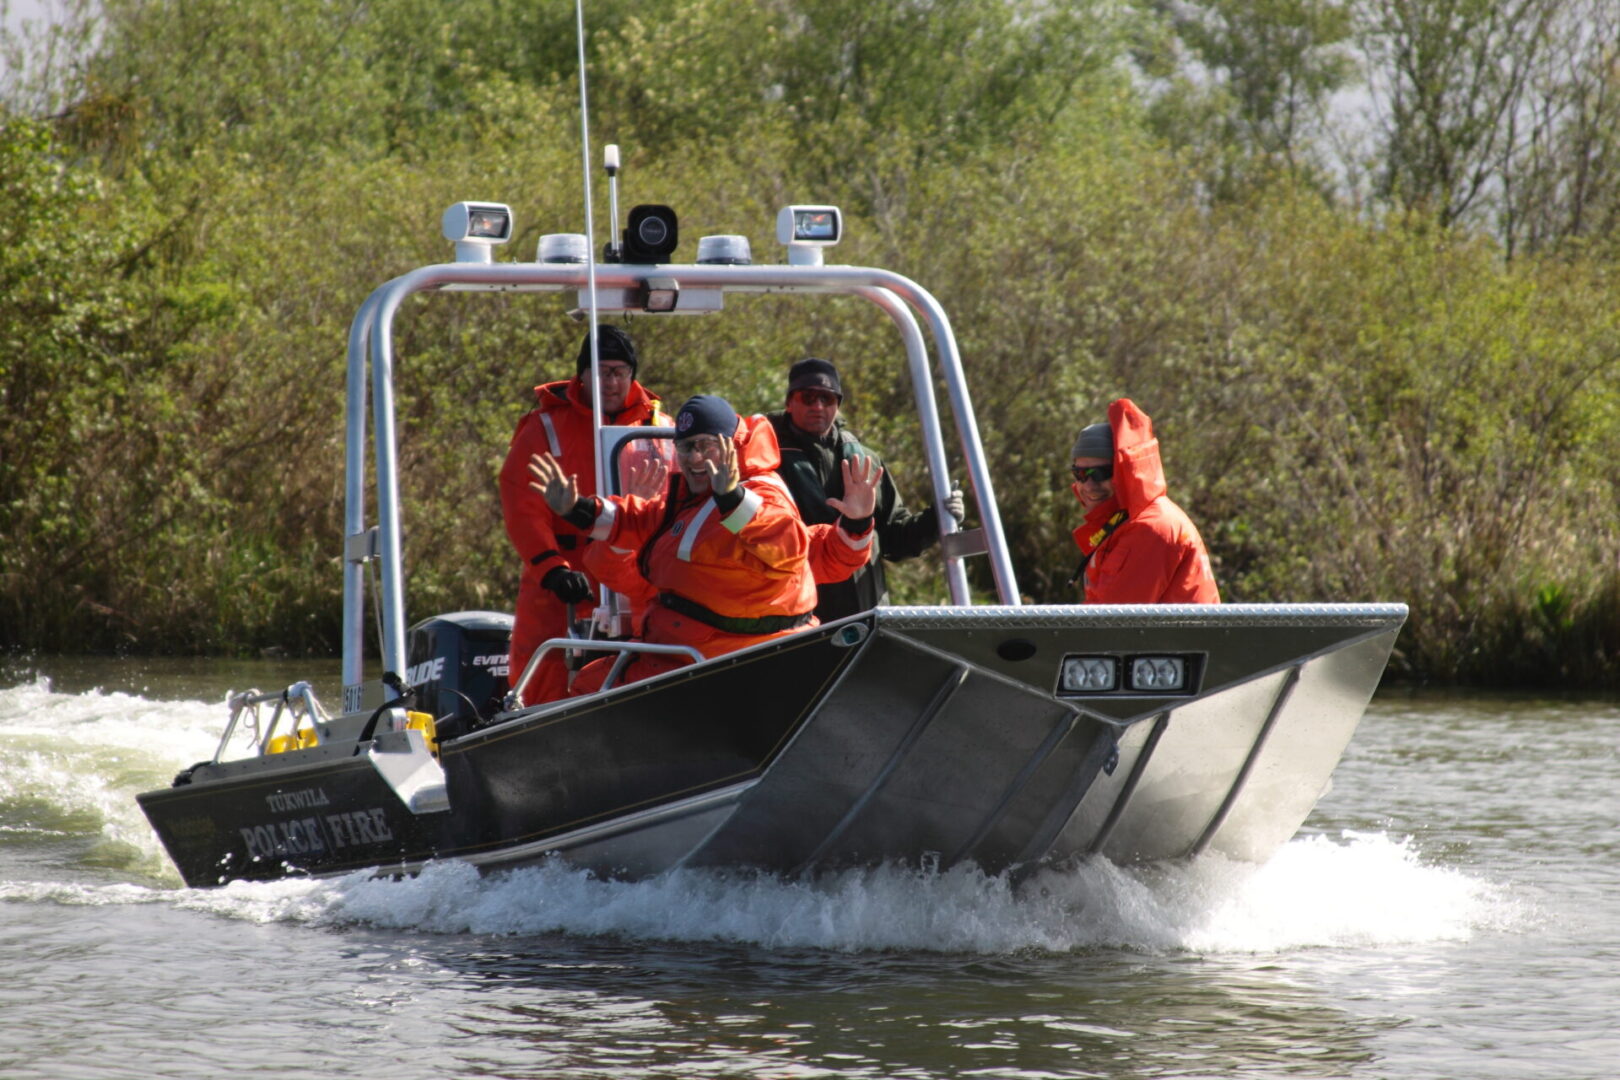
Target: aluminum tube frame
[
  {"x": 354, "y": 494},
  {"x": 922, "y": 384},
  {"x": 537, "y": 277}
]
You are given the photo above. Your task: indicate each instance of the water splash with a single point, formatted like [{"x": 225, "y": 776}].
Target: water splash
[
  {"x": 83, "y": 757},
  {"x": 1365, "y": 891},
  {"x": 74, "y": 763}
]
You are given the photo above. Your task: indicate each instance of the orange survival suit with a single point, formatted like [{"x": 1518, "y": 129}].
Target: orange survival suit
[
  {"x": 723, "y": 581},
  {"x": 561, "y": 426},
  {"x": 1139, "y": 547}
]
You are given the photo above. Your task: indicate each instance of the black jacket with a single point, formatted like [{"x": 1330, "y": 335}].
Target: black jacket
[{"x": 810, "y": 468}]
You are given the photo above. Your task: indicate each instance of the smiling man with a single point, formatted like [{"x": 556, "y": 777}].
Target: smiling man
[
  {"x": 815, "y": 447},
  {"x": 1136, "y": 546}
]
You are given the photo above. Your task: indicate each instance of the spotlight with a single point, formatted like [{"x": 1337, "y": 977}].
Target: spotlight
[{"x": 475, "y": 228}]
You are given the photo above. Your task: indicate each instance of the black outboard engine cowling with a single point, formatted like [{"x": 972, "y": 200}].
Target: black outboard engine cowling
[{"x": 457, "y": 664}]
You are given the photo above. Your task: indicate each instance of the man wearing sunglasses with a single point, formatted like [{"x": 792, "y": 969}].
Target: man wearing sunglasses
[
  {"x": 555, "y": 573},
  {"x": 1136, "y": 546},
  {"x": 815, "y": 446}
]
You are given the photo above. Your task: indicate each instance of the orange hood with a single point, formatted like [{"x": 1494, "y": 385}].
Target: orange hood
[
  {"x": 757, "y": 449},
  {"x": 1138, "y": 473}
]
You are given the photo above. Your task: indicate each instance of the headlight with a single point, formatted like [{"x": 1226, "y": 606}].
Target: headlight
[
  {"x": 489, "y": 224},
  {"x": 1158, "y": 674},
  {"x": 1089, "y": 674},
  {"x": 659, "y": 294}
]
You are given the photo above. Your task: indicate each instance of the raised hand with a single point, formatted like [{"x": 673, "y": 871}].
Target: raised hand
[
  {"x": 861, "y": 477},
  {"x": 560, "y": 490},
  {"x": 647, "y": 479},
  {"x": 723, "y": 478}
]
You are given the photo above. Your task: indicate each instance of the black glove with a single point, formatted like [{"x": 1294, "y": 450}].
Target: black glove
[{"x": 571, "y": 586}]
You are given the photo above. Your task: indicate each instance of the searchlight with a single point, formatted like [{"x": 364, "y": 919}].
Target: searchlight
[
  {"x": 475, "y": 228},
  {"x": 806, "y": 230}
]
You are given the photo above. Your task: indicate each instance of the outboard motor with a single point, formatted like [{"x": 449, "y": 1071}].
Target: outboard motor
[{"x": 457, "y": 663}]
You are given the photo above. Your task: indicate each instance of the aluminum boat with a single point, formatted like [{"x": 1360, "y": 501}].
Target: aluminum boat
[{"x": 1005, "y": 734}]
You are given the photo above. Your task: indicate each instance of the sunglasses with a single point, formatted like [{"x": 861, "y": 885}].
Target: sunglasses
[
  {"x": 817, "y": 397},
  {"x": 697, "y": 444},
  {"x": 1094, "y": 473}
]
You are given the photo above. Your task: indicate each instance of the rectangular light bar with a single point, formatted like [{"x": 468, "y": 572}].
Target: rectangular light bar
[
  {"x": 1157, "y": 675},
  {"x": 1089, "y": 674}
]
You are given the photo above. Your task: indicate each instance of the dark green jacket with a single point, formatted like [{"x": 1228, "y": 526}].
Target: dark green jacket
[{"x": 810, "y": 467}]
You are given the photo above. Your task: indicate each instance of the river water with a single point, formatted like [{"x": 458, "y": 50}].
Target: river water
[{"x": 1451, "y": 910}]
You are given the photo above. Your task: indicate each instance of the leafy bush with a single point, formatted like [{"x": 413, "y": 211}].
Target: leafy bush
[{"x": 1353, "y": 404}]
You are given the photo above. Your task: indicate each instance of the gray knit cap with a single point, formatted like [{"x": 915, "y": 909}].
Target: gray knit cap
[{"x": 1095, "y": 441}]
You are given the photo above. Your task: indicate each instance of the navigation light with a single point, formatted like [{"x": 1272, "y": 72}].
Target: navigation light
[
  {"x": 563, "y": 248},
  {"x": 724, "y": 250}
]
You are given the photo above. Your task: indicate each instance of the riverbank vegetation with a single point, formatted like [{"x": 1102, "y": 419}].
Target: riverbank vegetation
[{"x": 1359, "y": 260}]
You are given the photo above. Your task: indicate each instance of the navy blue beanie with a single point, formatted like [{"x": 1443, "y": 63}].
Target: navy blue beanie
[
  {"x": 612, "y": 344},
  {"x": 706, "y": 414},
  {"x": 814, "y": 373}
]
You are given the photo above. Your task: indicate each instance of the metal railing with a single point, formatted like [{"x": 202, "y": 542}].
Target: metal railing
[
  {"x": 370, "y": 342},
  {"x": 625, "y": 649},
  {"x": 297, "y": 701}
]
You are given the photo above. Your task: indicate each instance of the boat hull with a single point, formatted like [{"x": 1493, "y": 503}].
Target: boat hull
[{"x": 916, "y": 734}]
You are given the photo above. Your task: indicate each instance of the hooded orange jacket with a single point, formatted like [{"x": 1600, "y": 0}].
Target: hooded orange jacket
[
  {"x": 1155, "y": 555},
  {"x": 561, "y": 426}
]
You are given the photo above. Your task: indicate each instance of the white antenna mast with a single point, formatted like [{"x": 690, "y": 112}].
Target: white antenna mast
[
  {"x": 605, "y": 595},
  {"x": 590, "y": 255}
]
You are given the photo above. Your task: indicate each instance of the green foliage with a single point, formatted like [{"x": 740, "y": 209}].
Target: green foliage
[
  {"x": 1352, "y": 406},
  {"x": 1254, "y": 96}
]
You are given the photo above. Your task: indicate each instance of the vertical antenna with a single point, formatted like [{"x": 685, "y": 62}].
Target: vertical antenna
[
  {"x": 590, "y": 254},
  {"x": 604, "y": 594}
]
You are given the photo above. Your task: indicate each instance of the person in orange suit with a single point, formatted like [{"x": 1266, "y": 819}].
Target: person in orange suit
[
  {"x": 724, "y": 547},
  {"x": 556, "y": 572},
  {"x": 1136, "y": 546}
]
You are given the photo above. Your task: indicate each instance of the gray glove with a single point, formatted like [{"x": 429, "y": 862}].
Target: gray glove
[{"x": 955, "y": 506}]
